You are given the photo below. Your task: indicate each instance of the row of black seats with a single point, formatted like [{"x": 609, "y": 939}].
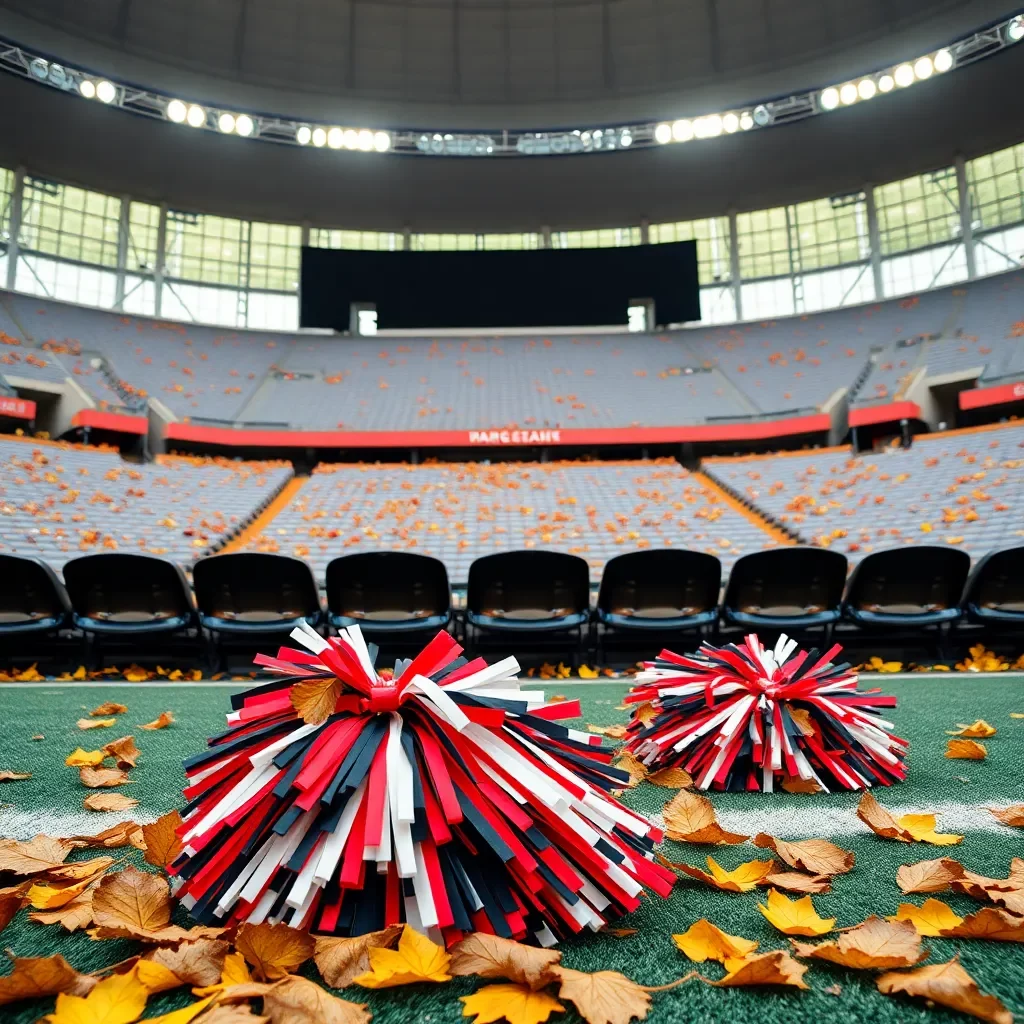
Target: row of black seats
[{"x": 394, "y": 594}]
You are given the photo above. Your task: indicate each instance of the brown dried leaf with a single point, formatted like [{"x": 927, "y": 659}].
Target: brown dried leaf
[
  {"x": 123, "y": 751},
  {"x": 298, "y": 1001},
  {"x": 620, "y": 933},
  {"x": 35, "y": 855},
  {"x": 646, "y": 713},
  {"x": 929, "y": 875},
  {"x": 109, "y": 802},
  {"x": 36, "y": 977},
  {"x": 164, "y": 719},
  {"x": 194, "y": 963},
  {"x": 339, "y": 960},
  {"x": 6, "y": 775},
  {"x": 949, "y": 985},
  {"x": 232, "y": 1014},
  {"x": 1010, "y": 815},
  {"x": 798, "y": 785},
  {"x": 96, "y": 723},
  {"x": 628, "y": 762},
  {"x": 11, "y": 901},
  {"x": 797, "y": 881},
  {"x": 161, "y": 841},
  {"x": 605, "y": 997},
  {"x": 991, "y": 923},
  {"x": 690, "y": 818},
  {"x": 315, "y": 701},
  {"x": 671, "y": 778},
  {"x": 775, "y": 968},
  {"x": 979, "y": 730},
  {"x": 134, "y": 900},
  {"x": 102, "y": 778},
  {"x": 490, "y": 956},
  {"x": 873, "y": 945},
  {"x": 966, "y": 750},
  {"x": 124, "y": 833},
  {"x": 880, "y": 821},
  {"x": 613, "y": 732},
  {"x": 79, "y": 870},
  {"x": 815, "y": 856},
  {"x": 274, "y": 950},
  {"x": 108, "y": 707}
]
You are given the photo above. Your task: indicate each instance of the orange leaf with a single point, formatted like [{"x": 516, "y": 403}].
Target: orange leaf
[
  {"x": 490, "y": 956},
  {"x": 37, "y": 977},
  {"x": 992, "y": 923},
  {"x": 1010, "y": 815},
  {"x": 162, "y": 843},
  {"x": 776, "y": 968},
  {"x": 315, "y": 701},
  {"x": 928, "y": 875},
  {"x": 274, "y": 950},
  {"x": 797, "y": 881},
  {"x": 604, "y": 997},
  {"x": 671, "y": 778},
  {"x": 108, "y": 708},
  {"x": 102, "y": 778},
  {"x": 872, "y": 945},
  {"x": 123, "y": 751},
  {"x": 742, "y": 879},
  {"x": 34, "y": 856},
  {"x": 966, "y": 750},
  {"x": 691, "y": 818},
  {"x": 164, "y": 719},
  {"x": 815, "y": 856},
  {"x": 948, "y": 985},
  {"x": 109, "y": 802}
]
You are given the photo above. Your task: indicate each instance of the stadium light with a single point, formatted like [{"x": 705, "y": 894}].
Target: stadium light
[
  {"x": 350, "y": 139},
  {"x": 923, "y": 68},
  {"x": 105, "y": 91},
  {"x": 886, "y": 83},
  {"x": 177, "y": 111},
  {"x": 904, "y": 76},
  {"x": 829, "y": 98},
  {"x": 1015, "y": 29},
  {"x": 365, "y": 140},
  {"x": 319, "y": 137},
  {"x": 663, "y": 133},
  {"x": 87, "y": 87},
  {"x": 866, "y": 88},
  {"x": 381, "y": 142},
  {"x": 746, "y": 121},
  {"x": 682, "y": 131},
  {"x": 848, "y": 94},
  {"x": 226, "y": 123},
  {"x": 943, "y": 61},
  {"x": 730, "y": 123},
  {"x": 303, "y": 134},
  {"x": 196, "y": 116},
  {"x": 335, "y": 138},
  {"x": 244, "y": 125}
]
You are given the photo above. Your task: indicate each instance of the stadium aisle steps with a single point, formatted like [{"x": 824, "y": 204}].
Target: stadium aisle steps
[
  {"x": 266, "y": 517},
  {"x": 748, "y": 513}
]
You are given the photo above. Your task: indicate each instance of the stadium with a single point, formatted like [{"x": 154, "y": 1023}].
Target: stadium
[{"x": 563, "y": 331}]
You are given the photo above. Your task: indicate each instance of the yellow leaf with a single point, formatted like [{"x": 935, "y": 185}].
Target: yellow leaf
[
  {"x": 96, "y": 723},
  {"x": 274, "y": 950},
  {"x": 416, "y": 959},
  {"x": 646, "y": 713},
  {"x": 235, "y": 972},
  {"x": 979, "y": 730},
  {"x": 156, "y": 976},
  {"x": 48, "y": 897},
  {"x": 704, "y": 941},
  {"x": 295, "y": 1000},
  {"x": 874, "y": 944},
  {"x": 815, "y": 856},
  {"x": 604, "y": 997},
  {"x": 795, "y": 917},
  {"x": 85, "y": 758},
  {"x": 876, "y": 664},
  {"x": 162, "y": 843},
  {"x": 691, "y": 818},
  {"x": 119, "y": 999},
  {"x": 315, "y": 701},
  {"x": 164, "y": 719},
  {"x": 182, "y": 1016},
  {"x": 671, "y": 778},
  {"x": 490, "y": 956},
  {"x": 339, "y": 960},
  {"x": 586, "y": 672},
  {"x": 775, "y": 968},
  {"x": 909, "y": 828},
  {"x": 518, "y": 1004},
  {"x": 929, "y": 919},
  {"x": 107, "y": 707},
  {"x": 741, "y": 879},
  {"x": 34, "y": 977},
  {"x": 966, "y": 750},
  {"x": 613, "y": 732},
  {"x": 949, "y": 985},
  {"x": 922, "y": 828},
  {"x": 929, "y": 875}
]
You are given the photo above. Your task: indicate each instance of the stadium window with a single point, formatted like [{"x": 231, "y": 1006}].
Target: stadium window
[
  {"x": 274, "y": 254},
  {"x": 272, "y": 311},
  {"x": 763, "y": 239},
  {"x": 60, "y": 279},
  {"x": 183, "y": 301},
  {"x": 436, "y": 243},
  {"x": 6, "y": 190},
  {"x": 519, "y": 240},
  {"x": 928, "y": 268},
  {"x": 841, "y": 286},
  {"x": 767, "y": 298},
  {"x": 712, "y": 237},
  {"x": 337, "y": 238},
  {"x": 206, "y": 249},
  {"x": 601, "y": 238},
  {"x": 831, "y": 232},
  {"x": 143, "y": 231},
  {"x": 139, "y": 295},
  {"x": 69, "y": 223},
  {"x": 717, "y": 305},
  {"x": 996, "y": 184},
  {"x": 918, "y": 212}
]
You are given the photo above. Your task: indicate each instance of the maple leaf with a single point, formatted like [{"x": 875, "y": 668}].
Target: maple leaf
[
  {"x": 314, "y": 701},
  {"x": 775, "y": 968},
  {"x": 909, "y": 828},
  {"x": 991, "y": 923},
  {"x": 339, "y": 960},
  {"x": 299, "y": 1001},
  {"x": 928, "y": 875},
  {"x": 948, "y": 985},
  {"x": 705, "y": 941},
  {"x": 671, "y": 778},
  {"x": 795, "y": 917},
  {"x": 108, "y": 707},
  {"x": 1010, "y": 815},
  {"x": 109, "y": 802},
  {"x": 102, "y": 778},
  {"x": 11, "y": 901},
  {"x": 966, "y": 750},
  {"x": 490, "y": 956},
  {"x": 518, "y": 1004},
  {"x": 815, "y": 856},
  {"x": 85, "y": 758},
  {"x": 182, "y": 1016},
  {"x": 35, "y": 977},
  {"x": 119, "y": 999},
  {"x": 416, "y": 959},
  {"x": 740, "y": 879},
  {"x": 123, "y": 751},
  {"x": 873, "y": 944},
  {"x": 797, "y": 881},
  {"x": 164, "y": 719},
  {"x": 96, "y": 723},
  {"x": 6, "y": 775},
  {"x": 274, "y": 950},
  {"x": 630, "y": 763},
  {"x": 604, "y": 997},
  {"x": 691, "y": 818},
  {"x": 979, "y": 730},
  {"x": 930, "y": 918},
  {"x": 162, "y": 843},
  {"x": 198, "y": 963},
  {"x": 34, "y": 856}
]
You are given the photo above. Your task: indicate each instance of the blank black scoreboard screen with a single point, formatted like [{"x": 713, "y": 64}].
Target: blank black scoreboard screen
[{"x": 499, "y": 288}]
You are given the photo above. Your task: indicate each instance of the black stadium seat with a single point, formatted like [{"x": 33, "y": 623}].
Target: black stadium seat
[
  {"x": 995, "y": 589},
  {"x": 389, "y": 593},
  {"x": 32, "y": 598},
  {"x": 786, "y": 588},
  {"x": 915, "y": 585},
  {"x": 659, "y": 591}
]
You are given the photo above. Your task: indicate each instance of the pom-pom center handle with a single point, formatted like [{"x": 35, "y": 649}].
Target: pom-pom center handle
[{"x": 385, "y": 695}]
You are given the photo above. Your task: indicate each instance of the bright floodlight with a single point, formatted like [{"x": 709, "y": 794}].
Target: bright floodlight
[
  {"x": 244, "y": 125},
  {"x": 712, "y": 125},
  {"x": 730, "y": 123},
  {"x": 848, "y": 94},
  {"x": 886, "y": 83},
  {"x": 303, "y": 134},
  {"x": 866, "y": 88},
  {"x": 87, "y": 88},
  {"x": 682, "y": 131},
  {"x": 904, "y": 76},
  {"x": 351, "y": 138},
  {"x": 1015, "y": 29},
  {"x": 177, "y": 111},
  {"x": 943, "y": 61},
  {"x": 663, "y": 133},
  {"x": 335, "y": 138},
  {"x": 365, "y": 140},
  {"x": 829, "y": 98},
  {"x": 226, "y": 123},
  {"x": 319, "y": 137},
  {"x": 923, "y": 68},
  {"x": 105, "y": 91},
  {"x": 196, "y": 116},
  {"x": 381, "y": 142}
]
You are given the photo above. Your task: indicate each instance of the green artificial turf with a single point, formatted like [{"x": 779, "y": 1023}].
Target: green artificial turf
[{"x": 52, "y": 799}]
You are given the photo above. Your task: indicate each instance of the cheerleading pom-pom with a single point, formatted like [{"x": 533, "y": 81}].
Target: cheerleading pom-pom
[
  {"x": 342, "y": 799},
  {"x": 746, "y": 717}
]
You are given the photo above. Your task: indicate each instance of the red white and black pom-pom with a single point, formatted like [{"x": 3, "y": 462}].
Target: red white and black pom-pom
[
  {"x": 743, "y": 717},
  {"x": 342, "y": 800}
]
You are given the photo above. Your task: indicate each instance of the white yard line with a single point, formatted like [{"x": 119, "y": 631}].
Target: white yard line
[{"x": 50, "y": 821}]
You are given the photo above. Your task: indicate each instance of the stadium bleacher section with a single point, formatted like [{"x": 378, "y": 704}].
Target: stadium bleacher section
[{"x": 58, "y": 501}]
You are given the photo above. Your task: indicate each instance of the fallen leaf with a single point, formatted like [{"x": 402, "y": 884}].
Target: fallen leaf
[
  {"x": 34, "y": 977},
  {"x": 979, "y": 730},
  {"x": 222, "y": 1014},
  {"x": 1017, "y": 714},
  {"x": 646, "y": 713},
  {"x": 741, "y": 879},
  {"x": 966, "y": 750},
  {"x": 991, "y": 923},
  {"x": 875, "y": 944},
  {"x": 96, "y": 723},
  {"x": 72, "y": 916},
  {"x": 109, "y": 802},
  {"x": 922, "y": 829},
  {"x": 910, "y": 828},
  {"x": 490, "y": 956},
  {"x": 931, "y": 918},
  {"x": 6, "y": 775},
  {"x": 796, "y": 881},
  {"x": 79, "y": 869},
  {"x": 604, "y": 997},
  {"x": 315, "y": 701},
  {"x": 162, "y": 843},
  {"x": 815, "y": 856},
  {"x": 1008, "y": 891},
  {"x": 690, "y": 818},
  {"x": 35, "y": 855},
  {"x": 182, "y": 1016},
  {"x": 613, "y": 732},
  {"x": 39, "y": 736},
  {"x": 124, "y": 833},
  {"x": 156, "y": 977},
  {"x": 119, "y": 999},
  {"x": 123, "y": 751},
  {"x": 671, "y": 778},
  {"x": 416, "y": 959},
  {"x": 102, "y": 778},
  {"x": 295, "y": 1000},
  {"x": 49, "y": 897},
  {"x": 705, "y": 941},
  {"x": 795, "y": 917},
  {"x": 85, "y": 758},
  {"x": 775, "y": 968},
  {"x": 1010, "y": 815},
  {"x": 339, "y": 960},
  {"x": 928, "y": 875},
  {"x": 11, "y": 901},
  {"x": 949, "y": 985},
  {"x": 164, "y": 719},
  {"x": 518, "y": 1004},
  {"x": 798, "y": 785},
  {"x": 629, "y": 762},
  {"x": 193, "y": 963},
  {"x": 108, "y": 708},
  {"x": 274, "y": 950}
]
